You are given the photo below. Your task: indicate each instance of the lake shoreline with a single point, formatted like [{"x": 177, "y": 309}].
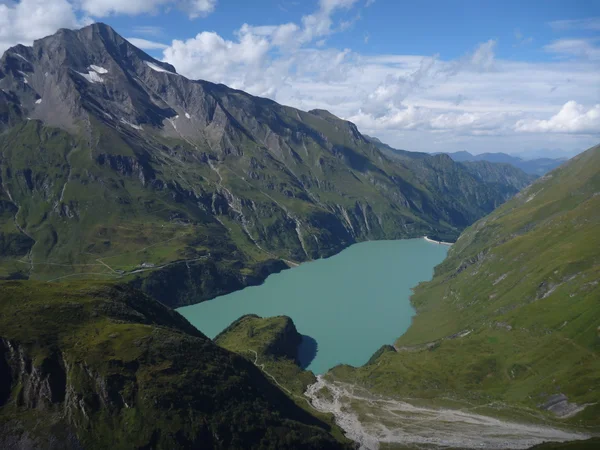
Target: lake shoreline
[
  {"x": 437, "y": 242},
  {"x": 350, "y": 303}
]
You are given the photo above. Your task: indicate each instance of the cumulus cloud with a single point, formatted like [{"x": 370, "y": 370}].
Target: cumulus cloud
[
  {"x": 572, "y": 118},
  {"x": 23, "y": 21},
  {"x": 27, "y": 20},
  {"x": 247, "y": 62},
  {"x": 211, "y": 57},
  {"x": 414, "y": 117}
]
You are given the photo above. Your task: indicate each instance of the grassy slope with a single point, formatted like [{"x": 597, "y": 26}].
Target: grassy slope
[
  {"x": 523, "y": 282},
  {"x": 126, "y": 372},
  {"x": 252, "y": 334},
  {"x": 269, "y": 342},
  {"x": 104, "y": 224}
]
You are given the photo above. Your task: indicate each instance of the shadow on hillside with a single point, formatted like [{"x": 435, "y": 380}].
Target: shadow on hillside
[{"x": 307, "y": 350}]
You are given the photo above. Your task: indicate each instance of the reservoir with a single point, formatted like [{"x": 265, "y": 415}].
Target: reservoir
[{"x": 350, "y": 304}]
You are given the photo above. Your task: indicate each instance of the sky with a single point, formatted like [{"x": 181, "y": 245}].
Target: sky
[{"x": 521, "y": 77}]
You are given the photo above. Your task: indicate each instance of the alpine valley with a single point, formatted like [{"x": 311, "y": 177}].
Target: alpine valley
[{"x": 127, "y": 189}]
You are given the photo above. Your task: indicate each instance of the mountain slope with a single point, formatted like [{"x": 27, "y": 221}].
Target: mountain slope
[
  {"x": 538, "y": 166},
  {"x": 116, "y": 167},
  {"x": 512, "y": 314},
  {"x": 99, "y": 367},
  {"x": 500, "y": 176},
  {"x": 505, "y": 176}
]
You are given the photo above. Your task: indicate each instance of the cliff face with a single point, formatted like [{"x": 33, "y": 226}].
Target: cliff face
[{"x": 99, "y": 367}]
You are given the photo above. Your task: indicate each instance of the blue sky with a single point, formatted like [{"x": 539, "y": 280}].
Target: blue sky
[
  {"x": 393, "y": 26},
  {"x": 513, "y": 76}
]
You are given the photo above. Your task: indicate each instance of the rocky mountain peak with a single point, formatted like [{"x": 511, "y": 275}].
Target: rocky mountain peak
[{"x": 63, "y": 78}]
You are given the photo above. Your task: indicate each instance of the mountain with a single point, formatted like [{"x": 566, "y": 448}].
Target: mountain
[
  {"x": 96, "y": 367},
  {"x": 511, "y": 316},
  {"x": 503, "y": 177},
  {"x": 115, "y": 167},
  {"x": 537, "y": 166}
]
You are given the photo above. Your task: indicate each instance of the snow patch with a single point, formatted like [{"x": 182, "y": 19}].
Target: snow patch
[
  {"x": 24, "y": 75},
  {"x": 157, "y": 68},
  {"x": 22, "y": 57},
  {"x": 132, "y": 125},
  {"x": 100, "y": 70},
  {"x": 38, "y": 101},
  {"x": 92, "y": 77},
  {"x": 188, "y": 116}
]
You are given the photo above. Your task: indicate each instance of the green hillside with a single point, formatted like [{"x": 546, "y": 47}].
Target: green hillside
[
  {"x": 512, "y": 315},
  {"x": 95, "y": 367}
]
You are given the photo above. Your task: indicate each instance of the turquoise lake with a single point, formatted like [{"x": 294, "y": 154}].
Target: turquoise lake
[{"x": 350, "y": 304}]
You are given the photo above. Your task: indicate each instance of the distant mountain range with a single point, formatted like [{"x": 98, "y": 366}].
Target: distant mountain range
[
  {"x": 505, "y": 177},
  {"x": 539, "y": 166}
]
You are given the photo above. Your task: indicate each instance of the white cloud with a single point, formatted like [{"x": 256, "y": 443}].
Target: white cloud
[
  {"x": 328, "y": 6},
  {"x": 572, "y": 118},
  {"x": 145, "y": 44},
  {"x": 582, "y": 48},
  {"x": 247, "y": 61},
  {"x": 28, "y": 20},
  {"x": 211, "y": 57},
  {"x": 149, "y": 30},
  {"x": 200, "y": 8},
  {"x": 103, "y": 8},
  {"x": 589, "y": 23},
  {"x": 23, "y": 21}
]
